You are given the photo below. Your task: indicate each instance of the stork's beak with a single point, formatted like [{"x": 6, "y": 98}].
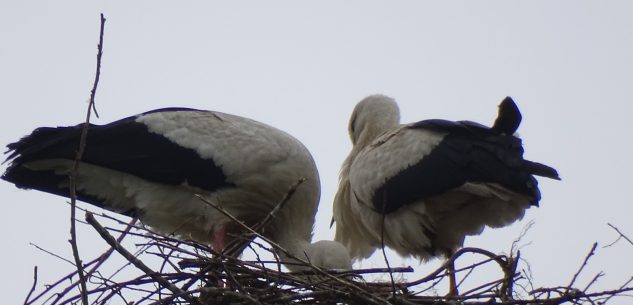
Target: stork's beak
[{"x": 331, "y": 222}]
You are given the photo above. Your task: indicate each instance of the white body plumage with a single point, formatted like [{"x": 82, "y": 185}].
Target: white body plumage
[
  {"x": 154, "y": 164},
  {"x": 425, "y": 186}
]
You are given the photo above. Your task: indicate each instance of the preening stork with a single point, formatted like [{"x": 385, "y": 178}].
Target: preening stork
[
  {"x": 153, "y": 165},
  {"x": 425, "y": 186}
]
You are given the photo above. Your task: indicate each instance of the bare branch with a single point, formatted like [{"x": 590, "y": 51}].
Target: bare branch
[
  {"x": 369, "y": 297},
  {"x": 140, "y": 265},
  {"x": 621, "y": 235},
  {"x": 237, "y": 245},
  {"x": 263, "y": 282},
  {"x": 52, "y": 254},
  {"x": 93, "y": 92},
  {"x": 73, "y": 175},
  {"x": 584, "y": 263},
  {"x": 28, "y": 296}
]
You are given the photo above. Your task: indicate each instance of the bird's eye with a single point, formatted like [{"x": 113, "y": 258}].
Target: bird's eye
[{"x": 352, "y": 129}]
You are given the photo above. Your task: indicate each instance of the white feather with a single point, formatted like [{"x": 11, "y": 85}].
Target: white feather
[
  {"x": 262, "y": 163},
  {"x": 382, "y": 149}
]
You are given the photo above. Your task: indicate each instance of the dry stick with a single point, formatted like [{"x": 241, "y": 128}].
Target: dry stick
[
  {"x": 138, "y": 281},
  {"x": 98, "y": 261},
  {"x": 93, "y": 92},
  {"x": 584, "y": 263},
  {"x": 436, "y": 273},
  {"x": 51, "y": 286},
  {"x": 261, "y": 226},
  {"x": 136, "y": 262},
  {"x": 593, "y": 281},
  {"x": 524, "y": 231},
  {"x": 489, "y": 286},
  {"x": 368, "y": 296},
  {"x": 52, "y": 254},
  {"x": 556, "y": 300},
  {"x": 621, "y": 234},
  {"x": 621, "y": 287},
  {"x": 166, "y": 260},
  {"x": 568, "y": 297},
  {"x": 497, "y": 258},
  {"x": 32, "y": 287},
  {"x": 509, "y": 271},
  {"x": 150, "y": 294},
  {"x": 73, "y": 175},
  {"x": 262, "y": 264},
  {"x": 237, "y": 244},
  {"x": 465, "y": 277}
]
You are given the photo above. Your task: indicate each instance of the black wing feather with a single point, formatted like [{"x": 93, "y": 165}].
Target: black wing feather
[
  {"x": 508, "y": 118},
  {"x": 125, "y": 145},
  {"x": 470, "y": 152}
]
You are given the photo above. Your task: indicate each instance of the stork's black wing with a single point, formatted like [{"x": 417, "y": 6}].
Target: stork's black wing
[
  {"x": 469, "y": 152},
  {"x": 126, "y": 146}
]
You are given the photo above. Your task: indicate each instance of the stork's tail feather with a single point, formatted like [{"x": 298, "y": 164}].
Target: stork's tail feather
[
  {"x": 509, "y": 117},
  {"x": 39, "y": 142},
  {"x": 539, "y": 169},
  {"x": 42, "y": 143}
]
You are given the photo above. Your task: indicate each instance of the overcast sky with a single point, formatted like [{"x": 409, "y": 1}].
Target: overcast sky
[{"x": 302, "y": 66}]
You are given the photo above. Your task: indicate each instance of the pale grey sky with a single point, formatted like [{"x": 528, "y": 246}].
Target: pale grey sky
[{"x": 302, "y": 66}]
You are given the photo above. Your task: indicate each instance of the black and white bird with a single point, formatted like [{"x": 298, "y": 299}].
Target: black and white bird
[
  {"x": 425, "y": 186},
  {"x": 153, "y": 165}
]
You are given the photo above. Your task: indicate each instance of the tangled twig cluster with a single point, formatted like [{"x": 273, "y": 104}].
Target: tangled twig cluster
[{"x": 190, "y": 273}]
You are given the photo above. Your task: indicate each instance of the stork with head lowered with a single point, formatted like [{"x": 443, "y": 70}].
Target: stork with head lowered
[
  {"x": 421, "y": 188},
  {"x": 155, "y": 164}
]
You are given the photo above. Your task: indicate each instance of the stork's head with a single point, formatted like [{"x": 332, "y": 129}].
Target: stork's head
[
  {"x": 329, "y": 254},
  {"x": 325, "y": 254},
  {"x": 373, "y": 116}
]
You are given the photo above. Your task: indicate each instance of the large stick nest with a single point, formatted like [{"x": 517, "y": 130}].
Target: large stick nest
[{"x": 184, "y": 272}]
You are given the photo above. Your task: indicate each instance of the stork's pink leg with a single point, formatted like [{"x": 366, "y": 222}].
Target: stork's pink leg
[
  {"x": 452, "y": 281},
  {"x": 218, "y": 239},
  {"x": 218, "y": 245}
]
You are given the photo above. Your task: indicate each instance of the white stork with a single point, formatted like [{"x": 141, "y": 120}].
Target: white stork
[
  {"x": 153, "y": 165},
  {"x": 425, "y": 186}
]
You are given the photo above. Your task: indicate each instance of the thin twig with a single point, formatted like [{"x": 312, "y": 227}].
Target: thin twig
[
  {"x": 509, "y": 271},
  {"x": 524, "y": 231},
  {"x": 26, "y": 300},
  {"x": 369, "y": 298},
  {"x": 235, "y": 246},
  {"x": 621, "y": 287},
  {"x": 52, "y": 254},
  {"x": 93, "y": 92},
  {"x": 593, "y": 281},
  {"x": 584, "y": 263},
  {"x": 261, "y": 226},
  {"x": 136, "y": 262},
  {"x": 98, "y": 261},
  {"x": 73, "y": 175},
  {"x": 621, "y": 236},
  {"x": 497, "y": 258}
]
